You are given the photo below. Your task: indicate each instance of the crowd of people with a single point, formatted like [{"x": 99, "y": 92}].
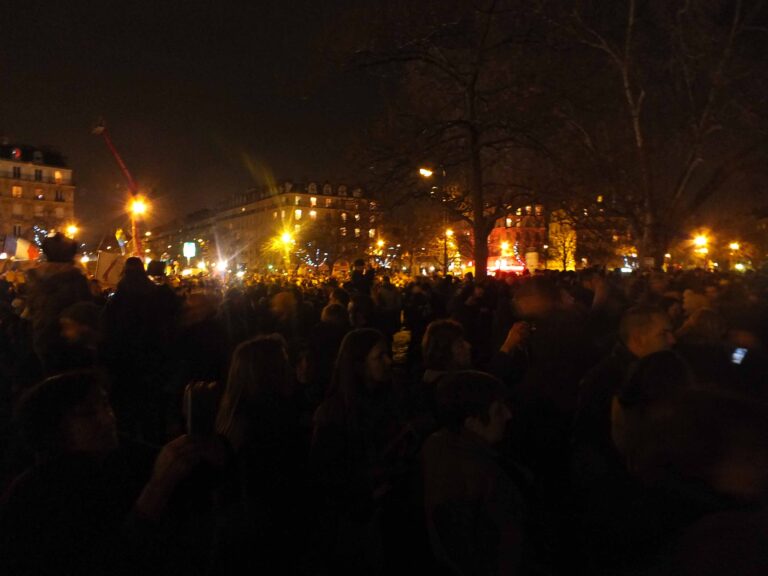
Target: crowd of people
[{"x": 546, "y": 424}]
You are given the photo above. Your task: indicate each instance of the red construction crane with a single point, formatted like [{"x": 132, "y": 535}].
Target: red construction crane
[{"x": 138, "y": 205}]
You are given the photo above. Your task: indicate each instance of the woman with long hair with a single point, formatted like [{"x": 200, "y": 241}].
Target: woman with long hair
[
  {"x": 262, "y": 508},
  {"x": 359, "y": 448}
]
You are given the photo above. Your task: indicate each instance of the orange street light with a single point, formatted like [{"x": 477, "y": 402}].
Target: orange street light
[{"x": 426, "y": 172}]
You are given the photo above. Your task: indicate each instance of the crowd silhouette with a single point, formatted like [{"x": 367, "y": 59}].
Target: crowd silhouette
[{"x": 553, "y": 423}]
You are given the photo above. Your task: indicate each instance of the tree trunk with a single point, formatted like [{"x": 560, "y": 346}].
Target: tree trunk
[{"x": 480, "y": 251}]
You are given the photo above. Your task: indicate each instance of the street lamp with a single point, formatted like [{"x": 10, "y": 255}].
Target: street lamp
[
  {"x": 700, "y": 241},
  {"x": 72, "y": 230},
  {"x": 137, "y": 207},
  {"x": 287, "y": 240},
  {"x": 734, "y": 246},
  {"x": 426, "y": 172}
]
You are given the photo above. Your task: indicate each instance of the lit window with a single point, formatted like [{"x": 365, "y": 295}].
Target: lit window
[
  {"x": 519, "y": 211},
  {"x": 343, "y": 216},
  {"x": 313, "y": 214},
  {"x": 297, "y": 214},
  {"x": 528, "y": 210},
  {"x": 357, "y": 232},
  {"x": 297, "y": 200},
  {"x": 57, "y": 177},
  {"x": 297, "y": 228},
  {"x": 313, "y": 201},
  {"x": 282, "y": 214},
  {"x": 357, "y": 217},
  {"x": 539, "y": 210},
  {"x": 16, "y": 191},
  {"x": 600, "y": 199},
  {"x": 274, "y": 215},
  {"x": 39, "y": 194},
  {"x": 372, "y": 233},
  {"x": 373, "y": 205},
  {"x": 343, "y": 230},
  {"x": 372, "y": 219},
  {"x": 509, "y": 222},
  {"x": 328, "y": 202}
]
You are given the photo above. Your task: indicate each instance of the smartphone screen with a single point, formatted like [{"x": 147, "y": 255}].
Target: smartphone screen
[{"x": 737, "y": 357}]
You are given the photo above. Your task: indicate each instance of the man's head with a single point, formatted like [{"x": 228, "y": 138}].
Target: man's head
[
  {"x": 80, "y": 322},
  {"x": 645, "y": 330},
  {"x": 444, "y": 346},
  {"x": 68, "y": 413},
  {"x": 476, "y": 402},
  {"x": 59, "y": 248}
]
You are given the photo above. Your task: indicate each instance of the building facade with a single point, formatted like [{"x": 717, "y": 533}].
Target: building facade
[
  {"x": 288, "y": 225},
  {"x": 37, "y": 194}
]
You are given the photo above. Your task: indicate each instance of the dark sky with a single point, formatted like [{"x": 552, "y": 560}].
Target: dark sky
[{"x": 201, "y": 98}]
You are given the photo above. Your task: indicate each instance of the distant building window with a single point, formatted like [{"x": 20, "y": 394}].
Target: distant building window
[
  {"x": 372, "y": 219},
  {"x": 18, "y": 209},
  {"x": 357, "y": 217},
  {"x": 282, "y": 214},
  {"x": 373, "y": 205},
  {"x": 297, "y": 228},
  {"x": 297, "y": 214},
  {"x": 57, "y": 176},
  {"x": 600, "y": 199},
  {"x": 539, "y": 210},
  {"x": 528, "y": 210},
  {"x": 313, "y": 201},
  {"x": 372, "y": 233},
  {"x": 357, "y": 232},
  {"x": 274, "y": 215},
  {"x": 38, "y": 175},
  {"x": 329, "y": 202},
  {"x": 59, "y": 196},
  {"x": 39, "y": 194},
  {"x": 17, "y": 230},
  {"x": 59, "y": 212},
  {"x": 343, "y": 230},
  {"x": 38, "y": 210},
  {"x": 508, "y": 222},
  {"x": 296, "y": 200},
  {"x": 342, "y": 190},
  {"x": 17, "y": 172},
  {"x": 16, "y": 191},
  {"x": 313, "y": 214},
  {"x": 343, "y": 216},
  {"x": 519, "y": 211}
]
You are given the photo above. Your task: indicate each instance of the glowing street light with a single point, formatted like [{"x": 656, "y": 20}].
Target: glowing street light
[
  {"x": 734, "y": 246},
  {"x": 72, "y": 230},
  {"x": 137, "y": 207},
  {"x": 449, "y": 233},
  {"x": 221, "y": 266},
  {"x": 426, "y": 172},
  {"x": 700, "y": 241},
  {"x": 85, "y": 259}
]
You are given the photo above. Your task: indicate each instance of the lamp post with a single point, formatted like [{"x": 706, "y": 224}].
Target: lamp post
[
  {"x": 137, "y": 207},
  {"x": 448, "y": 234},
  {"x": 286, "y": 239}
]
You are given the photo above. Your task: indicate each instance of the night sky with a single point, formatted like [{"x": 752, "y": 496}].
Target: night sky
[{"x": 201, "y": 98}]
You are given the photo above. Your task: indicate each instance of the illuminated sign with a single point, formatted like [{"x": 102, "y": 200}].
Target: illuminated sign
[{"x": 190, "y": 249}]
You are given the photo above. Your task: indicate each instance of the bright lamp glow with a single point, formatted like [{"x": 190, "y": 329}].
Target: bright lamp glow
[
  {"x": 734, "y": 246},
  {"x": 138, "y": 206},
  {"x": 286, "y": 238},
  {"x": 72, "y": 230},
  {"x": 740, "y": 267},
  {"x": 221, "y": 266},
  {"x": 85, "y": 259},
  {"x": 701, "y": 240},
  {"x": 426, "y": 172}
]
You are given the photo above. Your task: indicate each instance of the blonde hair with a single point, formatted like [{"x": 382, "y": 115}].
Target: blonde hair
[{"x": 258, "y": 378}]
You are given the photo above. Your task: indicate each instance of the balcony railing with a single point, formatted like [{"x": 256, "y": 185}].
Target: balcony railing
[{"x": 28, "y": 178}]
